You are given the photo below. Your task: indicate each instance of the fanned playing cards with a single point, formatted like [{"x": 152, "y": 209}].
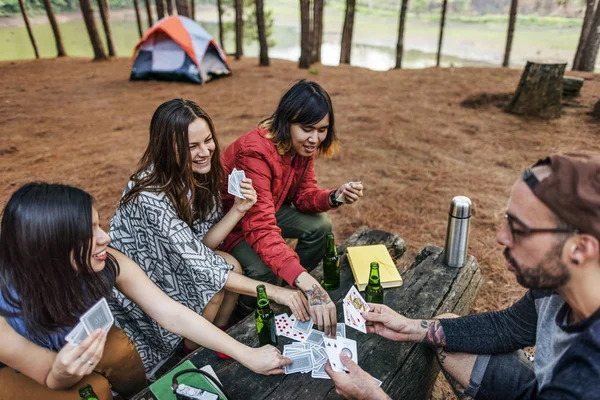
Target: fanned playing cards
[
  {"x": 235, "y": 180},
  {"x": 98, "y": 316},
  {"x": 354, "y": 305}
]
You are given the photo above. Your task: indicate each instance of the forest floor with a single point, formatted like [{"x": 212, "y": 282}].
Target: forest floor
[{"x": 415, "y": 138}]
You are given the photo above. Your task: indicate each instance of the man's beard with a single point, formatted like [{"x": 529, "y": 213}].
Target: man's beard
[{"x": 551, "y": 273}]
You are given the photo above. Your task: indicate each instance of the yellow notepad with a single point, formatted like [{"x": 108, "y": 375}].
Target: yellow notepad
[{"x": 360, "y": 258}]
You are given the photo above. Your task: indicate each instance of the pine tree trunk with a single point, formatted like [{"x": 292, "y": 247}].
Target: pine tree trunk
[
  {"x": 136, "y": 6},
  {"x": 160, "y": 9},
  {"x": 262, "y": 34},
  {"x": 105, "y": 17},
  {"x": 239, "y": 29},
  {"x": 305, "y": 36},
  {"x": 346, "y": 46},
  {"x": 29, "y": 31},
  {"x": 149, "y": 12},
  {"x": 317, "y": 31},
  {"x": 441, "y": 39},
  {"x": 90, "y": 24},
  {"x": 220, "y": 11},
  {"x": 511, "y": 30},
  {"x": 585, "y": 31},
  {"x": 590, "y": 52},
  {"x": 400, "y": 44},
  {"x": 183, "y": 8},
  {"x": 60, "y": 50},
  {"x": 193, "y": 9},
  {"x": 170, "y": 7}
]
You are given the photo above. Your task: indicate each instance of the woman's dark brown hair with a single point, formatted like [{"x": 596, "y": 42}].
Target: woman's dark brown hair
[
  {"x": 45, "y": 248},
  {"x": 305, "y": 103},
  {"x": 166, "y": 165}
]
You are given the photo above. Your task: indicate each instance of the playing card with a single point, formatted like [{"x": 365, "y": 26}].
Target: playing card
[
  {"x": 353, "y": 319},
  {"x": 315, "y": 337},
  {"x": 77, "y": 335},
  {"x": 354, "y": 297},
  {"x": 303, "y": 326},
  {"x": 348, "y": 347},
  {"x": 282, "y": 322},
  {"x": 234, "y": 181},
  {"x": 300, "y": 363},
  {"x": 342, "y": 197},
  {"x": 319, "y": 372},
  {"x": 331, "y": 347},
  {"x": 377, "y": 381},
  {"x": 99, "y": 316},
  {"x": 340, "y": 330}
]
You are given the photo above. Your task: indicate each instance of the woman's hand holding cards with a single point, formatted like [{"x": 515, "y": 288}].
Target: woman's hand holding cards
[
  {"x": 266, "y": 360},
  {"x": 349, "y": 192},
  {"x": 247, "y": 190},
  {"x": 73, "y": 362}
]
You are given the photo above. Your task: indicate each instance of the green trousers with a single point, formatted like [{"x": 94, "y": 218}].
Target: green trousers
[{"x": 309, "y": 229}]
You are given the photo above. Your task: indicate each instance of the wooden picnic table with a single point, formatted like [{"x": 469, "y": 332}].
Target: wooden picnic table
[{"x": 407, "y": 370}]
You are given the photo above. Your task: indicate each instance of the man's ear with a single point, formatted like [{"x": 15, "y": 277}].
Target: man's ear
[{"x": 583, "y": 248}]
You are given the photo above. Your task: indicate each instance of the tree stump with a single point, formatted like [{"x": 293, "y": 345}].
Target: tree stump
[
  {"x": 572, "y": 85},
  {"x": 539, "y": 93}
]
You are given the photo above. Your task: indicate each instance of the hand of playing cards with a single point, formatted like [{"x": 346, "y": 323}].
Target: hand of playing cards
[
  {"x": 235, "y": 180},
  {"x": 97, "y": 317},
  {"x": 354, "y": 189}
]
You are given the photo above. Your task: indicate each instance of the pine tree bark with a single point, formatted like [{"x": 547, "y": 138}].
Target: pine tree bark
[
  {"x": 160, "y": 9},
  {"x": 220, "y": 11},
  {"x": 305, "y": 36},
  {"x": 400, "y": 43},
  {"x": 183, "y": 8},
  {"x": 105, "y": 17},
  {"x": 590, "y": 51},
  {"x": 590, "y": 7},
  {"x": 193, "y": 9},
  {"x": 239, "y": 29},
  {"x": 170, "y": 7},
  {"x": 262, "y": 34},
  {"x": 29, "y": 31},
  {"x": 136, "y": 6},
  {"x": 317, "y": 31},
  {"x": 148, "y": 4},
  {"x": 511, "y": 30},
  {"x": 441, "y": 39},
  {"x": 346, "y": 46},
  {"x": 90, "y": 24},
  {"x": 60, "y": 49}
]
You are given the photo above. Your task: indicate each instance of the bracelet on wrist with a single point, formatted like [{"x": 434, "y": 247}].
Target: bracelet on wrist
[{"x": 333, "y": 201}]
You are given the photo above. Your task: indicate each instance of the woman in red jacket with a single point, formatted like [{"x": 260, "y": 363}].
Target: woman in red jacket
[{"x": 278, "y": 156}]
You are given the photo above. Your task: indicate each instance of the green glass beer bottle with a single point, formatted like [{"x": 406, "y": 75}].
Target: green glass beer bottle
[
  {"x": 374, "y": 290},
  {"x": 265, "y": 319},
  {"x": 87, "y": 393},
  {"x": 331, "y": 265}
]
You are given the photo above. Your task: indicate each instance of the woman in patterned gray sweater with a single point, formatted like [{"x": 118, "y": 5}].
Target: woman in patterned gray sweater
[{"x": 170, "y": 222}]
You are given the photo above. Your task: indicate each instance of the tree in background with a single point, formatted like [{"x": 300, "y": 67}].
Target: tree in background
[
  {"x": 586, "y": 55},
  {"x": 105, "y": 17},
  {"x": 262, "y": 34},
  {"x": 60, "y": 50},
  {"x": 170, "y": 7},
  {"x": 305, "y": 35},
  {"x": 136, "y": 6},
  {"x": 183, "y": 8},
  {"x": 220, "y": 12},
  {"x": 400, "y": 43},
  {"x": 193, "y": 9},
  {"x": 149, "y": 12},
  {"x": 88, "y": 17},
  {"x": 441, "y": 39},
  {"x": 29, "y": 31},
  {"x": 160, "y": 9},
  {"x": 346, "y": 46},
  {"x": 317, "y": 31},
  {"x": 239, "y": 28},
  {"x": 511, "y": 30}
]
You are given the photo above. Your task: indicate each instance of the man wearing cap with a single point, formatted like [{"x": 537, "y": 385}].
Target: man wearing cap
[{"x": 551, "y": 239}]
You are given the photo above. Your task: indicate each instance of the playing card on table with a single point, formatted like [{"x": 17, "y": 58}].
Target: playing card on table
[
  {"x": 99, "y": 316},
  {"x": 319, "y": 372},
  {"x": 303, "y": 326},
  {"x": 301, "y": 362},
  {"x": 340, "y": 330},
  {"x": 77, "y": 335},
  {"x": 315, "y": 337},
  {"x": 284, "y": 327}
]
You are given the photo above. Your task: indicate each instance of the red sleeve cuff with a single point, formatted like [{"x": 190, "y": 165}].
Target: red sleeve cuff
[{"x": 291, "y": 272}]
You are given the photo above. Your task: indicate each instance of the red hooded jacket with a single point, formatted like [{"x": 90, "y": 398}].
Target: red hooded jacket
[{"x": 277, "y": 180}]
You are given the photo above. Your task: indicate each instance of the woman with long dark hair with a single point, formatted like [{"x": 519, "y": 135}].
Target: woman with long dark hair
[
  {"x": 55, "y": 264},
  {"x": 279, "y": 156},
  {"x": 170, "y": 222}
]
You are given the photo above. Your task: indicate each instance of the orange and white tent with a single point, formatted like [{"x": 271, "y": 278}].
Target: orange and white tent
[{"x": 178, "y": 49}]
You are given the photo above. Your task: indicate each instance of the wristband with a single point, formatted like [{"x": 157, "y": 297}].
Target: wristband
[{"x": 333, "y": 201}]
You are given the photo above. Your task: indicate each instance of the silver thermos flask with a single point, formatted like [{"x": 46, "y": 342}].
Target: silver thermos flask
[{"x": 457, "y": 235}]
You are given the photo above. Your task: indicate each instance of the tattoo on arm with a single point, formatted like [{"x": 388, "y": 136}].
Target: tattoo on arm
[
  {"x": 317, "y": 296},
  {"x": 457, "y": 388},
  {"x": 435, "y": 334}
]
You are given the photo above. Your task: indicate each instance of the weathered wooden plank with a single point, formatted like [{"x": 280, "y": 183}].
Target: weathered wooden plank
[{"x": 407, "y": 370}]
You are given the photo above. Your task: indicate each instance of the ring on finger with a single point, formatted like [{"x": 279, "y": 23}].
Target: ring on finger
[{"x": 90, "y": 362}]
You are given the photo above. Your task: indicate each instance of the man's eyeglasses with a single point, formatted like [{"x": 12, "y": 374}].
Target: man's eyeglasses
[{"x": 524, "y": 230}]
